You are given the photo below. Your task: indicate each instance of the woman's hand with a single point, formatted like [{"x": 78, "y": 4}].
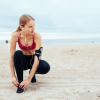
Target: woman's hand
[
  {"x": 24, "y": 83},
  {"x": 15, "y": 81}
]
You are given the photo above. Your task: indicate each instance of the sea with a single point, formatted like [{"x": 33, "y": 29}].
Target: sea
[
  {"x": 93, "y": 40},
  {"x": 59, "y": 38}
]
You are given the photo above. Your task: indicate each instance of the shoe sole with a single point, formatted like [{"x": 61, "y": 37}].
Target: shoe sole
[{"x": 22, "y": 92}]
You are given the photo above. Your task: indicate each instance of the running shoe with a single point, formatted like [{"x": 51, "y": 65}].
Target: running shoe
[{"x": 20, "y": 90}]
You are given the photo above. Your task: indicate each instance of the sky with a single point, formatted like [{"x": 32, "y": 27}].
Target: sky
[{"x": 53, "y": 18}]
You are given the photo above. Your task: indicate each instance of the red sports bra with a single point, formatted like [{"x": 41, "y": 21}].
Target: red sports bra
[{"x": 25, "y": 47}]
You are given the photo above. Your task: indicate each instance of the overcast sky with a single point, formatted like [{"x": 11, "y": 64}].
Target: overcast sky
[{"x": 53, "y": 16}]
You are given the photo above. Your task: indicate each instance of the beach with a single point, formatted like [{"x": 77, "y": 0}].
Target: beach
[{"x": 74, "y": 73}]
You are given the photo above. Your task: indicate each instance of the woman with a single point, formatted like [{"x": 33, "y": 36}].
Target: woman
[{"x": 28, "y": 57}]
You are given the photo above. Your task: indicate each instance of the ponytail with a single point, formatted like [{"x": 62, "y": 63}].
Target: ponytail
[{"x": 18, "y": 29}]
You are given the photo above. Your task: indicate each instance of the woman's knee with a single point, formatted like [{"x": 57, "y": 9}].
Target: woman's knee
[
  {"x": 18, "y": 61},
  {"x": 44, "y": 67},
  {"x": 18, "y": 54},
  {"x": 47, "y": 67}
]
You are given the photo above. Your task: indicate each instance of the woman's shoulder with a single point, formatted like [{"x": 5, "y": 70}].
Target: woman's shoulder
[
  {"x": 15, "y": 36},
  {"x": 36, "y": 35}
]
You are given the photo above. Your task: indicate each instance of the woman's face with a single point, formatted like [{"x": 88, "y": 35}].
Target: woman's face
[{"x": 30, "y": 27}]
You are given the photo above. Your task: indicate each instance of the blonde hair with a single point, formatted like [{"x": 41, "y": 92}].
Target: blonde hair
[{"x": 23, "y": 21}]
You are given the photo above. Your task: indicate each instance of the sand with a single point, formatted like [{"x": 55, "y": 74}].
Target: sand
[{"x": 74, "y": 73}]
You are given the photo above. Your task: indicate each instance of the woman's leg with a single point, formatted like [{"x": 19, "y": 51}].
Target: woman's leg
[
  {"x": 20, "y": 64},
  {"x": 43, "y": 67}
]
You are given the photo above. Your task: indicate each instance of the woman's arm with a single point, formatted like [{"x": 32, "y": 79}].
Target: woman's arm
[
  {"x": 36, "y": 61},
  {"x": 12, "y": 67},
  {"x": 12, "y": 50}
]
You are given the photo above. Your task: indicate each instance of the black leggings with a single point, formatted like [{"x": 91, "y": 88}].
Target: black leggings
[{"x": 22, "y": 62}]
